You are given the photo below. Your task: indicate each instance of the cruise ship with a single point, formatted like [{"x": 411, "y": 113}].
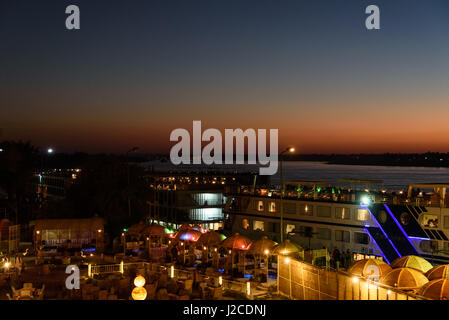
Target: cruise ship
[{"x": 366, "y": 222}]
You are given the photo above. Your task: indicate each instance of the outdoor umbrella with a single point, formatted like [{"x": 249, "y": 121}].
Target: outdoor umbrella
[
  {"x": 239, "y": 243},
  {"x": 436, "y": 289},
  {"x": 438, "y": 272},
  {"x": 211, "y": 238},
  {"x": 262, "y": 248},
  {"x": 404, "y": 279},
  {"x": 286, "y": 248},
  {"x": 369, "y": 267},
  {"x": 414, "y": 262}
]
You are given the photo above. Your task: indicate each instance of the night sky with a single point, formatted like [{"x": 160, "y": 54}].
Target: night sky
[{"x": 139, "y": 69}]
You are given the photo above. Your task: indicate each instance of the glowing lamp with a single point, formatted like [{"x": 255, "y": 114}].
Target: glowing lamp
[
  {"x": 139, "y": 293},
  {"x": 266, "y": 251},
  {"x": 291, "y": 149},
  {"x": 139, "y": 281},
  {"x": 37, "y": 232},
  {"x": 248, "y": 288},
  {"x": 389, "y": 292},
  {"x": 287, "y": 260},
  {"x": 172, "y": 272},
  {"x": 99, "y": 230},
  {"x": 6, "y": 265},
  {"x": 204, "y": 248},
  {"x": 365, "y": 200},
  {"x": 355, "y": 279},
  {"x": 220, "y": 280}
]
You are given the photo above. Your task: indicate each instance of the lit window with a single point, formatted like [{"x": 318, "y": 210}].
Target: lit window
[
  {"x": 430, "y": 221},
  {"x": 258, "y": 226},
  {"x": 260, "y": 206},
  {"x": 305, "y": 210},
  {"x": 342, "y": 213},
  {"x": 272, "y": 207},
  {"x": 362, "y": 214},
  {"x": 290, "y": 228},
  {"x": 245, "y": 224}
]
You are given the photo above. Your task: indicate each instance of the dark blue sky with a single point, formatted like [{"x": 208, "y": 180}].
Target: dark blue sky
[{"x": 138, "y": 69}]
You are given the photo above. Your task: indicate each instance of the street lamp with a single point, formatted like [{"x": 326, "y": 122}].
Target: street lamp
[
  {"x": 127, "y": 165},
  {"x": 281, "y": 180}
]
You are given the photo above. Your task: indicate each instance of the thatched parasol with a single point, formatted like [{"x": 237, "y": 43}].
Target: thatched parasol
[
  {"x": 211, "y": 238},
  {"x": 184, "y": 227},
  {"x": 188, "y": 235},
  {"x": 413, "y": 262},
  {"x": 137, "y": 229},
  {"x": 262, "y": 246},
  {"x": 369, "y": 267},
  {"x": 286, "y": 248},
  {"x": 438, "y": 272},
  {"x": 237, "y": 242},
  {"x": 155, "y": 230},
  {"x": 404, "y": 278},
  {"x": 436, "y": 289}
]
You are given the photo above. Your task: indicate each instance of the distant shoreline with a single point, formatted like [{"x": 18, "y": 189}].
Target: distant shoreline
[{"x": 428, "y": 160}]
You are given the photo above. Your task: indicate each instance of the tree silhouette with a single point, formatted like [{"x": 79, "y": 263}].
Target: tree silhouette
[
  {"x": 18, "y": 163},
  {"x": 102, "y": 188}
]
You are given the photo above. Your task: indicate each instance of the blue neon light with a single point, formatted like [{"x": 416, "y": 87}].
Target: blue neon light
[
  {"x": 399, "y": 225},
  {"x": 418, "y": 238},
  {"x": 186, "y": 236},
  {"x": 383, "y": 255},
  {"x": 383, "y": 231}
]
